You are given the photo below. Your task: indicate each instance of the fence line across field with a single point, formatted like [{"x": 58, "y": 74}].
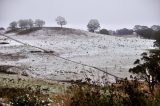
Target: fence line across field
[{"x": 85, "y": 65}]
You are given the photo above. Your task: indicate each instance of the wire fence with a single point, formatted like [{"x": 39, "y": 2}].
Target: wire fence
[{"x": 52, "y": 53}]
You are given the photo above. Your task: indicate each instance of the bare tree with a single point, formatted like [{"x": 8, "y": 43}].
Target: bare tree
[
  {"x": 13, "y": 25},
  {"x": 93, "y": 25},
  {"x": 61, "y": 21},
  {"x": 39, "y": 23}
]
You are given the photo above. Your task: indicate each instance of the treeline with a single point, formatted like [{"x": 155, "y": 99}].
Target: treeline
[
  {"x": 26, "y": 24},
  {"x": 139, "y": 30},
  {"x": 146, "y": 32},
  {"x": 92, "y": 26}
]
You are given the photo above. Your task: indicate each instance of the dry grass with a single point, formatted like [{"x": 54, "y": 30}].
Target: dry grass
[
  {"x": 62, "y": 99},
  {"x": 11, "y": 87}
]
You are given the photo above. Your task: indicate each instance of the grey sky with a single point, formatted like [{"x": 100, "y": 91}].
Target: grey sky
[{"x": 112, "y": 14}]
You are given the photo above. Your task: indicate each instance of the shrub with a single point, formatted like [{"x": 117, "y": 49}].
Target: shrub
[
  {"x": 124, "y": 93},
  {"x": 86, "y": 95},
  {"x": 1, "y": 28},
  {"x": 28, "y": 100},
  {"x": 104, "y": 31}
]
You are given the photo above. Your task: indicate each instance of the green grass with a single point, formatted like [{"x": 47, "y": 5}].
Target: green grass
[{"x": 12, "y": 81}]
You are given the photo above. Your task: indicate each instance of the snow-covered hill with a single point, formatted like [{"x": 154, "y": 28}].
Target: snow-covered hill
[{"x": 113, "y": 54}]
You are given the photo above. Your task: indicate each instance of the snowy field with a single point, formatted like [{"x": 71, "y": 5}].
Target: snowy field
[{"x": 112, "y": 54}]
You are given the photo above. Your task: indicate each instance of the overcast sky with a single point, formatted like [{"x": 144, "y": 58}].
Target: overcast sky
[{"x": 112, "y": 14}]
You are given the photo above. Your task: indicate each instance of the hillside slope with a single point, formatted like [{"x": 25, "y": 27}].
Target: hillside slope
[{"x": 113, "y": 54}]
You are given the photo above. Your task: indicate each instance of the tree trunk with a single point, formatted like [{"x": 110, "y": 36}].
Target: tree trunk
[{"x": 151, "y": 85}]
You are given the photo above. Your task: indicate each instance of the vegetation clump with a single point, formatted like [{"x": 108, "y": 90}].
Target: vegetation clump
[{"x": 104, "y": 31}]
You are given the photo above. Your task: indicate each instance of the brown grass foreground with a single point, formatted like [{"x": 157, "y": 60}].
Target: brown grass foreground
[{"x": 123, "y": 93}]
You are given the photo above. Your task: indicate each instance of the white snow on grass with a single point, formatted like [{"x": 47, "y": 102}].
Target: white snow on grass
[{"x": 113, "y": 54}]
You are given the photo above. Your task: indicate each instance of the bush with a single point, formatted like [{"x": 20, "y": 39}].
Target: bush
[
  {"x": 86, "y": 95},
  {"x": 104, "y": 31},
  {"x": 23, "y": 31},
  {"x": 12, "y": 30},
  {"x": 27, "y": 31},
  {"x": 1, "y": 28},
  {"x": 28, "y": 100},
  {"x": 124, "y": 93},
  {"x": 124, "y": 31},
  {"x": 24, "y": 97},
  {"x": 146, "y": 33}
]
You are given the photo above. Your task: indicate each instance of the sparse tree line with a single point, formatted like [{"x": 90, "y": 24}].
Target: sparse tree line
[
  {"x": 139, "y": 30},
  {"x": 147, "y": 32},
  {"x": 92, "y": 26},
  {"x": 29, "y": 23},
  {"x": 26, "y": 24},
  {"x": 124, "y": 31}
]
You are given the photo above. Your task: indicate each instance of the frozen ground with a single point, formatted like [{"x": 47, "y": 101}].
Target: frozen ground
[{"x": 113, "y": 54}]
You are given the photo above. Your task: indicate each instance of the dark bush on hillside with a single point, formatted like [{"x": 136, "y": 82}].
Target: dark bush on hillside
[
  {"x": 27, "y": 31},
  {"x": 146, "y": 33},
  {"x": 1, "y": 28},
  {"x": 12, "y": 30},
  {"x": 124, "y": 31},
  {"x": 104, "y": 31},
  {"x": 23, "y": 31}
]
